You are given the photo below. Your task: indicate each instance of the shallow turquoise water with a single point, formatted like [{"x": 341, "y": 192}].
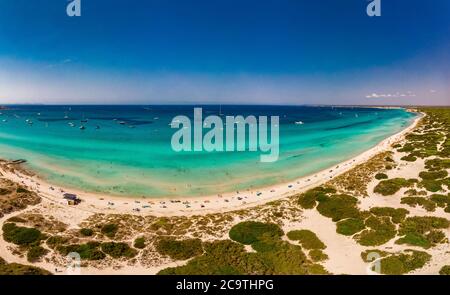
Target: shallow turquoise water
[{"x": 135, "y": 158}]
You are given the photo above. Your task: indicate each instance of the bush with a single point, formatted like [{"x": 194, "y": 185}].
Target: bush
[
  {"x": 317, "y": 255},
  {"x": 179, "y": 250},
  {"x": 391, "y": 186},
  {"x": 423, "y": 202},
  {"x": 22, "y": 190},
  {"x": 20, "y": 269},
  {"x": 433, "y": 175},
  {"x": 381, "y": 231},
  {"x": 350, "y": 226},
  {"x": 445, "y": 270},
  {"x": 248, "y": 232},
  {"x": 431, "y": 185},
  {"x": 404, "y": 262},
  {"x": 414, "y": 239},
  {"x": 409, "y": 158},
  {"x": 380, "y": 176},
  {"x": 306, "y": 238},
  {"x": 139, "y": 243},
  {"x": 338, "y": 207},
  {"x": 87, "y": 232},
  {"x": 440, "y": 200},
  {"x": 308, "y": 200},
  {"x": 88, "y": 251},
  {"x": 35, "y": 253},
  {"x": 117, "y": 250},
  {"x": 397, "y": 214},
  {"x": 55, "y": 241},
  {"x": 422, "y": 231},
  {"x": 21, "y": 235},
  {"x": 110, "y": 230}
]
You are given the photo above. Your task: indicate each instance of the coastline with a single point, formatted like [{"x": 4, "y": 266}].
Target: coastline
[{"x": 103, "y": 203}]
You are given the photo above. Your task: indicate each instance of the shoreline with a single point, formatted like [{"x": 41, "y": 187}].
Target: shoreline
[{"x": 199, "y": 205}]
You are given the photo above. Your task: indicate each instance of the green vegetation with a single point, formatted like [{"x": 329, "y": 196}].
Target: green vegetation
[
  {"x": 308, "y": 200},
  {"x": 391, "y": 186},
  {"x": 110, "y": 230},
  {"x": 431, "y": 185},
  {"x": 88, "y": 251},
  {"x": 380, "y": 231},
  {"x": 22, "y": 190},
  {"x": 423, "y": 202},
  {"x": 55, "y": 241},
  {"x": 272, "y": 256},
  {"x": 35, "y": 253},
  {"x": 139, "y": 243},
  {"x": 398, "y": 264},
  {"x": 433, "y": 175},
  {"x": 338, "y": 207},
  {"x": 374, "y": 253},
  {"x": 381, "y": 176},
  {"x": 441, "y": 200},
  {"x": 21, "y": 235},
  {"x": 249, "y": 232},
  {"x": 409, "y": 158},
  {"x": 117, "y": 250},
  {"x": 180, "y": 250},
  {"x": 437, "y": 164},
  {"x": 20, "y": 269},
  {"x": 306, "y": 238},
  {"x": 228, "y": 257},
  {"x": 397, "y": 215},
  {"x": 350, "y": 226},
  {"x": 445, "y": 270},
  {"x": 422, "y": 231},
  {"x": 317, "y": 255},
  {"x": 87, "y": 232}
]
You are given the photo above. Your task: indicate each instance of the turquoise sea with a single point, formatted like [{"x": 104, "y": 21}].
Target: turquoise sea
[{"x": 126, "y": 150}]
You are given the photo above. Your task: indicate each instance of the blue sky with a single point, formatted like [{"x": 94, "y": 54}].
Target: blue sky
[{"x": 279, "y": 52}]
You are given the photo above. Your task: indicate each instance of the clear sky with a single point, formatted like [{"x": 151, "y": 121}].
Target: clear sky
[{"x": 227, "y": 51}]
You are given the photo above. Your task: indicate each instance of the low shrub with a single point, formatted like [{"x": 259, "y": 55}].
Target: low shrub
[
  {"x": 20, "y": 269},
  {"x": 110, "y": 230},
  {"x": 397, "y": 214},
  {"x": 433, "y": 175},
  {"x": 35, "y": 253},
  {"x": 350, "y": 226},
  {"x": 445, "y": 270},
  {"x": 381, "y": 231},
  {"x": 403, "y": 263},
  {"x": 248, "y": 232},
  {"x": 21, "y": 235},
  {"x": 308, "y": 200},
  {"x": 88, "y": 251},
  {"x": 117, "y": 250},
  {"x": 139, "y": 243},
  {"x": 391, "y": 186},
  {"x": 409, "y": 158},
  {"x": 306, "y": 238},
  {"x": 380, "y": 176},
  {"x": 87, "y": 232},
  {"x": 420, "y": 201},
  {"x": 179, "y": 249},
  {"x": 338, "y": 207},
  {"x": 317, "y": 255}
]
